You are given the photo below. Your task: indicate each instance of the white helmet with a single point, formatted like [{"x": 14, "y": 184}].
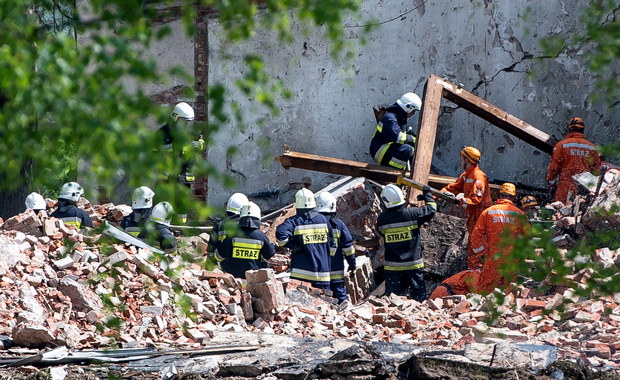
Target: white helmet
[
  {"x": 392, "y": 196},
  {"x": 236, "y": 202},
  {"x": 34, "y": 201},
  {"x": 142, "y": 198},
  {"x": 304, "y": 198},
  {"x": 250, "y": 209},
  {"x": 409, "y": 102},
  {"x": 325, "y": 202},
  {"x": 71, "y": 191},
  {"x": 162, "y": 213},
  {"x": 184, "y": 111}
]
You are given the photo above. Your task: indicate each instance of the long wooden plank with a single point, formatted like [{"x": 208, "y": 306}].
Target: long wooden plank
[
  {"x": 425, "y": 144},
  {"x": 496, "y": 116},
  {"x": 372, "y": 172},
  {"x": 290, "y": 159}
]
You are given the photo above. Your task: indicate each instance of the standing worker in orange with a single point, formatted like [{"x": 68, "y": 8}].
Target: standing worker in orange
[
  {"x": 474, "y": 185},
  {"x": 487, "y": 235},
  {"x": 571, "y": 156}
]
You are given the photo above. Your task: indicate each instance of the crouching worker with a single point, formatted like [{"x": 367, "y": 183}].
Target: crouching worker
[
  {"x": 36, "y": 203},
  {"x": 67, "y": 210},
  {"x": 461, "y": 283},
  {"x": 400, "y": 227},
  {"x": 141, "y": 204},
  {"x": 156, "y": 229},
  {"x": 326, "y": 205},
  {"x": 486, "y": 239},
  {"x": 248, "y": 248}
]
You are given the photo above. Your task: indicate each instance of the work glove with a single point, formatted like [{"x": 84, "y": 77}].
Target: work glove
[
  {"x": 462, "y": 202},
  {"x": 411, "y": 139},
  {"x": 448, "y": 193}
]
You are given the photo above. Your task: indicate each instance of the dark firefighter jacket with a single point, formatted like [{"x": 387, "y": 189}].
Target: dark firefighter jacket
[
  {"x": 310, "y": 238},
  {"x": 390, "y": 130},
  {"x": 71, "y": 215},
  {"x": 157, "y": 232},
  {"x": 221, "y": 228},
  {"x": 133, "y": 223},
  {"x": 344, "y": 249},
  {"x": 245, "y": 250},
  {"x": 399, "y": 227}
]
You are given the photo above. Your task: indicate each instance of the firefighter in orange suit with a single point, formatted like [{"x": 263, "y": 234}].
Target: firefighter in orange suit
[
  {"x": 463, "y": 283},
  {"x": 474, "y": 185},
  {"x": 486, "y": 249},
  {"x": 571, "y": 156}
]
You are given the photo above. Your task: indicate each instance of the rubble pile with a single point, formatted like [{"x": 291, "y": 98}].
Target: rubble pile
[{"x": 61, "y": 287}]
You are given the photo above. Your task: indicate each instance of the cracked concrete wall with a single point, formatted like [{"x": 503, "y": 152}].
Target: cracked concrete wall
[{"x": 491, "y": 47}]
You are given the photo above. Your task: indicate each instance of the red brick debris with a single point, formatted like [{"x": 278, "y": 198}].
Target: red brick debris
[{"x": 62, "y": 287}]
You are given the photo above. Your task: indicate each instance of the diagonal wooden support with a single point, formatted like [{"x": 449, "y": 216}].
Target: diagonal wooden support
[{"x": 435, "y": 89}]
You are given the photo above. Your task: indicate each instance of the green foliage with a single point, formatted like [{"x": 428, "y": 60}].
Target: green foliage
[{"x": 68, "y": 103}]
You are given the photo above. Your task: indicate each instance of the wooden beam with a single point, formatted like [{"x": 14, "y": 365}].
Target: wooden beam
[
  {"x": 372, "y": 172},
  {"x": 384, "y": 174},
  {"x": 495, "y": 116},
  {"x": 421, "y": 163}
]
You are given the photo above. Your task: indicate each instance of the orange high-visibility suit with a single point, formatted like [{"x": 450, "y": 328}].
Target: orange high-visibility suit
[
  {"x": 485, "y": 243},
  {"x": 474, "y": 185},
  {"x": 463, "y": 283},
  {"x": 571, "y": 156}
]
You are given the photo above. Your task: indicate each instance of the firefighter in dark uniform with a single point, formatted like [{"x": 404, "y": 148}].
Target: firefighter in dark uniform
[
  {"x": 391, "y": 145},
  {"x": 326, "y": 205},
  {"x": 222, "y": 226},
  {"x": 249, "y": 248},
  {"x": 141, "y": 204},
  {"x": 67, "y": 210},
  {"x": 157, "y": 228},
  {"x": 400, "y": 228},
  {"x": 309, "y": 236}
]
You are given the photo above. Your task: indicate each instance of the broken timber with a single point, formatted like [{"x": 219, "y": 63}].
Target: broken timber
[
  {"x": 332, "y": 165},
  {"x": 435, "y": 89}
]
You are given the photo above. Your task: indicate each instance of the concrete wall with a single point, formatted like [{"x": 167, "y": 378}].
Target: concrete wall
[{"x": 489, "y": 47}]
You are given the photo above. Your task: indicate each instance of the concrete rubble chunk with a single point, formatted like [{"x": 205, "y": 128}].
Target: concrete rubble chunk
[
  {"x": 32, "y": 335},
  {"x": 82, "y": 298}
]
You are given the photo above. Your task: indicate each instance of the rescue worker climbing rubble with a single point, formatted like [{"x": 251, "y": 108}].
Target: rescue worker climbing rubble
[
  {"x": 248, "y": 248},
  {"x": 309, "y": 236},
  {"x": 391, "y": 144},
  {"x": 489, "y": 253},
  {"x": 326, "y": 205},
  {"x": 157, "y": 228},
  {"x": 474, "y": 185},
  {"x": 141, "y": 204},
  {"x": 400, "y": 228},
  {"x": 573, "y": 155},
  {"x": 67, "y": 210}
]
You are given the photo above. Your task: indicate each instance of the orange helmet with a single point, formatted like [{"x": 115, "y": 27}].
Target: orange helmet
[
  {"x": 528, "y": 201},
  {"x": 576, "y": 123},
  {"x": 508, "y": 188},
  {"x": 472, "y": 154}
]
